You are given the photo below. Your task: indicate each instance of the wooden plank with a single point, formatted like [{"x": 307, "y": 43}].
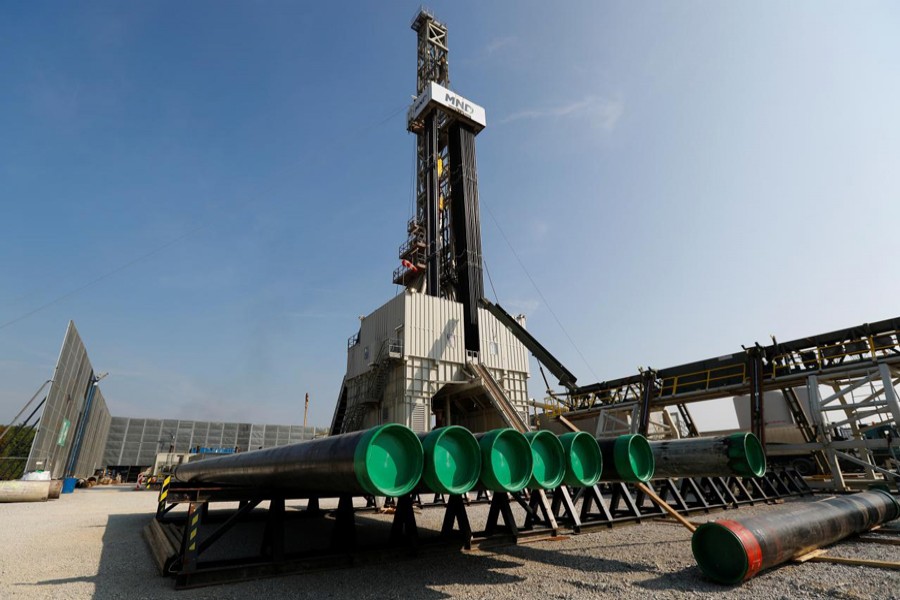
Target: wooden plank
[
  {"x": 874, "y": 539},
  {"x": 809, "y": 555},
  {"x": 665, "y": 506},
  {"x": 567, "y": 423}
]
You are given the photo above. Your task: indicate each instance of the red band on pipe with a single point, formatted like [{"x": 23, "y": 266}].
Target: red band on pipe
[{"x": 750, "y": 544}]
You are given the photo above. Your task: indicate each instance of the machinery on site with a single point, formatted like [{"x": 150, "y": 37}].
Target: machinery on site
[{"x": 434, "y": 402}]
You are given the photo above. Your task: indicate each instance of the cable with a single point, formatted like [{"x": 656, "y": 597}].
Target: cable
[
  {"x": 490, "y": 280},
  {"x": 538, "y": 290}
]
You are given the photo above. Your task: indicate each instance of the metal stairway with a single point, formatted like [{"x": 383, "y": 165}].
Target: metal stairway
[
  {"x": 499, "y": 398},
  {"x": 349, "y": 417},
  {"x": 803, "y": 424}
]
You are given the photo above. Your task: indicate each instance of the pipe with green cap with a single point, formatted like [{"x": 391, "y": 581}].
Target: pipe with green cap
[
  {"x": 386, "y": 460},
  {"x": 626, "y": 458},
  {"x": 452, "y": 460},
  {"x": 731, "y": 551},
  {"x": 721, "y": 456},
  {"x": 584, "y": 462},
  {"x": 506, "y": 460},
  {"x": 548, "y": 458}
]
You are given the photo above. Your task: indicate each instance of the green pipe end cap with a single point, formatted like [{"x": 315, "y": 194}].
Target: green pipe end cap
[
  {"x": 746, "y": 455},
  {"x": 634, "y": 458},
  {"x": 452, "y": 460},
  {"x": 548, "y": 460},
  {"x": 720, "y": 553},
  {"x": 388, "y": 460},
  {"x": 506, "y": 460},
  {"x": 584, "y": 461}
]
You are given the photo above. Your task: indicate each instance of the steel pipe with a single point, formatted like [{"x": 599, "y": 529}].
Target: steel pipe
[
  {"x": 734, "y": 551},
  {"x": 548, "y": 460},
  {"x": 506, "y": 460},
  {"x": 626, "y": 458},
  {"x": 55, "y": 489},
  {"x": 735, "y": 454},
  {"x": 383, "y": 461},
  {"x": 17, "y": 490},
  {"x": 584, "y": 462},
  {"x": 452, "y": 460}
]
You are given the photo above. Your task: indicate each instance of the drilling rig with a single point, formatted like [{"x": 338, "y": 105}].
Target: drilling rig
[{"x": 434, "y": 355}]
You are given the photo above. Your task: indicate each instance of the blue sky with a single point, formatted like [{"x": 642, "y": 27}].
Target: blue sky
[{"x": 678, "y": 178}]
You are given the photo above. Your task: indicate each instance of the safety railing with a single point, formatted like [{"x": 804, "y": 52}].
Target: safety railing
[
  {"x": 870, "y": 347},
  {"x": 705, "y": 380}
]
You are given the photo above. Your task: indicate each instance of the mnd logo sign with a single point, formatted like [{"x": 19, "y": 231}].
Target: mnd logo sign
[{"x": 435, "y": 94}]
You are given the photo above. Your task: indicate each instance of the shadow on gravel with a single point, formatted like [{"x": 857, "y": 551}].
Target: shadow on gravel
[
  {"x": 126, "y": 570},
  {"x": 576, "y": 559},
  {"x": 125, "y": 562},
  {"x": 688, "y": 579}
]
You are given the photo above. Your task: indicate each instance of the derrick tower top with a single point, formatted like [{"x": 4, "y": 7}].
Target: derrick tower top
[{"x": 442, "y": 255}]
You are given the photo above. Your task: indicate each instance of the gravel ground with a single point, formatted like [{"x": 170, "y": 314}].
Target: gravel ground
[{"x": 89, "y": 545}]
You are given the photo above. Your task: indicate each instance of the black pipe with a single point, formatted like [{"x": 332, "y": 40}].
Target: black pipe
[
  {"x": 734, "y": 551},
  {"x": 735, "y": 454},
  {"x": 507, "y": 461},
  {"x": 626, "y": 458},
  {"x": 452, "y": 460},
  {"x": 383, "y": 461}
]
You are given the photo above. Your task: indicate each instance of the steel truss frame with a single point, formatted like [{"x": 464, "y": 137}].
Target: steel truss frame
[
  {"x": 178, "y": 540},
  {"x": 878, "y": 405}
]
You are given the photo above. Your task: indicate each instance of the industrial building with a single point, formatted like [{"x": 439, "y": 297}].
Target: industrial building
[
  {"x": 132, "y": 445},
  {"x": 75, "y": 435}
]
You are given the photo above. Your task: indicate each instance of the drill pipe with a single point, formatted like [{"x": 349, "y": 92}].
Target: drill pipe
[
  {"x": 584, "y": 463},
  {"x": 383, "y": 461},
  {"x": 734, "y": 551},
  {"x": 452, "y": 460},
  {"x": 549, "y": 460},
  {"x": 506, "y": 460},
  {"x": 735, "y": 454},
  {"x": 626, "y": 458}
]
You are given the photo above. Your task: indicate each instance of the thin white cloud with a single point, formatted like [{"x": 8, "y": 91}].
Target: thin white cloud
[
  {"x": 491, "y": 51},
  {"x": 498, "y": 43},
  {"x": 602, "y": 113}
]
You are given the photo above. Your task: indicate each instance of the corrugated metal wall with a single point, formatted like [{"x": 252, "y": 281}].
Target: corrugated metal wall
[
  {"x": 135, "y": 442},
  {"x": 433, "y": 354},
  {"x": 433, "y": 329},
  {"x": 373, "y": 331},
  {"x": 63, "y": 409},
  {"x": 500, "y": 349},
  {"x": 93, "y": 444}
]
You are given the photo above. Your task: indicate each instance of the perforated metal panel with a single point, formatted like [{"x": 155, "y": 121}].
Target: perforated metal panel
[
  {"x": 132, "y": 442},
  {"x": 65, "y": 413}
]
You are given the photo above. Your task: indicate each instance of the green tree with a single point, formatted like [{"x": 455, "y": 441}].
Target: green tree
[{"x": 14, "y": 449}]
